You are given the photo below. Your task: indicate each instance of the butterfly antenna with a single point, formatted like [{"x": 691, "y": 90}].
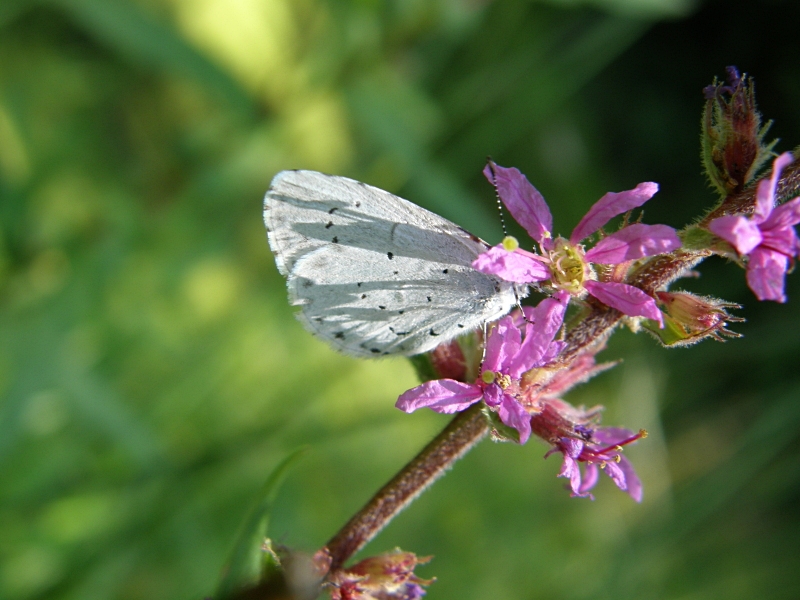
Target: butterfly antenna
[
  {"x": 483, "y": 352},
  {"x": 500, "y": 211}
]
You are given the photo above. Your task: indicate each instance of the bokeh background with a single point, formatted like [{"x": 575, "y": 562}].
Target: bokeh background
[{"x": 152, "y": 375}]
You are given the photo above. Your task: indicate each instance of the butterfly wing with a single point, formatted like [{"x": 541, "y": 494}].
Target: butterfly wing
[{"x": 374, "y": 274}]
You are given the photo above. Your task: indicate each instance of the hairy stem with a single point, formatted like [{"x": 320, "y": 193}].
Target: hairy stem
[{"x": 462, "y": 433}]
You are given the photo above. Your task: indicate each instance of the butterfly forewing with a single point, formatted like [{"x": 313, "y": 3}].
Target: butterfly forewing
[{"x": 374, "y": 274}]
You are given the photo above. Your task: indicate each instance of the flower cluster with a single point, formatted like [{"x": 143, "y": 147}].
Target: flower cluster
[
  {"x": 767, "y": 239},
  {"x": 565, "y": 264},
  {"x": 511, "y": 351}
]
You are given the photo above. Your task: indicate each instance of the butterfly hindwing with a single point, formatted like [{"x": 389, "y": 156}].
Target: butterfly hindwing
[{"x": 374, "y": 274}]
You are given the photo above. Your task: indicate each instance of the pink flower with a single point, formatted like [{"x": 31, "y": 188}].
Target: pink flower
[
  {"x": 565, "y": 263},
  {"x": 573, "y": 432},
  {"x": 601, "y": 450},
  {"x": 767, "y": 239},
  {"x": 508, "y": 356}
]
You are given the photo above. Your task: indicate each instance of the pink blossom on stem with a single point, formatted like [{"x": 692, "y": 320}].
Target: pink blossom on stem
[
  {"x": 508, "y": 356},
  {"x": 768, "y": 238},
  {"x": 573, "y": 433},
  {"x": 603, "y": 453},
  {"x": 565, "y": 263}
]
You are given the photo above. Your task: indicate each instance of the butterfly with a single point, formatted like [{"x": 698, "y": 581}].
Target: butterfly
[{"x": 374, "y": 274}]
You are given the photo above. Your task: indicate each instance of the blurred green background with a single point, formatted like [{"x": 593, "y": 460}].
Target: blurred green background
[{"x": 152, "y": 375}]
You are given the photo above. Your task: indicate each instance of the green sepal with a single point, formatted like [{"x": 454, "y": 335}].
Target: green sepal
[
  {"x": 673, "y": 334},
  {"x": 694, "y": 238},
  {"x": 500, "y": 431},
  {"x": 249, "y": 564}
]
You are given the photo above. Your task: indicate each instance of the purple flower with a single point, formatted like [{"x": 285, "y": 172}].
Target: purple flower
[
  {"x": 767, "y": 239},
  {"x": 508, "y": 356},
  {"x": 565, "y": 263},
  {"x": 600, "y": 451}
]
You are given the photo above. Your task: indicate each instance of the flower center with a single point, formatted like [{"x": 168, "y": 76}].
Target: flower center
[
  {"x": 490, "y": 377},
  {"x": 568, "y": 266}
]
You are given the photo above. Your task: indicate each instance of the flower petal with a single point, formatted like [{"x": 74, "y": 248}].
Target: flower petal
[
  {"x": 766, "y": 271},
  {"x": 571, "y": 447},
  {"x": 546, "y": 320},
  {"x": 513, "y": 414},
  {"x": 740, "y": 232},
  {"x": 780, "y": 239},
  {"x": 616, "y": 474},
  {"x": 591, "y": 474},
  {"x": 632, "y": 481},
  {"x": 785, "y": 215},
  {"x": 493, "y": 395},
  {"x": 569, "y": 468},
  {"x": 765, "y": 193},
  {"x": 441, "y": 395},
  {"x": 502, "y": 345},
  {"x": 522, "y": 200},
  {"x": 625, "y": 298},
  {"x": 611, "y": 205},
  {"x": 633, "y": 242},
  {"x": 518, "y": 266},
  {"x": 611, "y": 436}
]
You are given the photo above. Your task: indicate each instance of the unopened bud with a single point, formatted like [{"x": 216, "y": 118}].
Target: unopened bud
[
  {"x": 733, "y": 137},
  {"x": 691, "y": 318}
]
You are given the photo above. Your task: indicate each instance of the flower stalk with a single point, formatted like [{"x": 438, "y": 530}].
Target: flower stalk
[{"x": 460, "y": 435}]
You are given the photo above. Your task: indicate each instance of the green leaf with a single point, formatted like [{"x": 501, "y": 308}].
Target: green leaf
[{"x": 245, "y": 566}]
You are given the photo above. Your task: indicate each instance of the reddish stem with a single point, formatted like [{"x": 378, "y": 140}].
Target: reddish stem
[{"x": 463, "y": 432}]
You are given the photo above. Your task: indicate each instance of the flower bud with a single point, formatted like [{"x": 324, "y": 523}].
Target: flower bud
[
  {"x": 692, "y": 318},
  {"x": 388, "y": 576},
  {"x": 733, "y": 138}
]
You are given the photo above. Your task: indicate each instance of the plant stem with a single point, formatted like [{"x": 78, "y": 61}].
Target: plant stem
[{"x": 462, "y": 433}]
